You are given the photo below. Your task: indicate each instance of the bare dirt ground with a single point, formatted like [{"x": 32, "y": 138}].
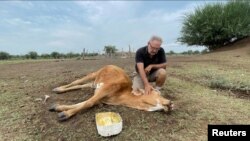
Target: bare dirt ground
[{"x": 23, "y": 116}]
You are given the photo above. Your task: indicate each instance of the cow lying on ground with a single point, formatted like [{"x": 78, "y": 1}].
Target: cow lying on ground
[{"x": 112, "y": 86}]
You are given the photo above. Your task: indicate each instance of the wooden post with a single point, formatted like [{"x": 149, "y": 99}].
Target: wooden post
[
  {"x": 129, "y": 51},
  {"x": 83, "y": 53}
]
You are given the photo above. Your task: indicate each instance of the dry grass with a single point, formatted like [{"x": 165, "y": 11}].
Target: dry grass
[{"x": 198, "y": 85}]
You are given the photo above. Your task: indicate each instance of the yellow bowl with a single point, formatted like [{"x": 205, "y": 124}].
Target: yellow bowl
[{"x": 108, "y": 123}]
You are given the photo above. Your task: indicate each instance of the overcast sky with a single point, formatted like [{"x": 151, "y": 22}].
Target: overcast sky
[{"x": 70, "y": 26}]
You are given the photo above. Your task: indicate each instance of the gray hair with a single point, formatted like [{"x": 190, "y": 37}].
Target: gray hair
[{"x": 155, "y": 38}]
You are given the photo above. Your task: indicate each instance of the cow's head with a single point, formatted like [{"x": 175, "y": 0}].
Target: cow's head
[{"x": 155, "y": 102}]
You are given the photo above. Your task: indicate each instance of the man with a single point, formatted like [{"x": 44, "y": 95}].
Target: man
[{"x": 150, "y": 66}]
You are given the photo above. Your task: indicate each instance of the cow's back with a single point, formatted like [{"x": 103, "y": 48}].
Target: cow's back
[{"x": 114, "y": 75}]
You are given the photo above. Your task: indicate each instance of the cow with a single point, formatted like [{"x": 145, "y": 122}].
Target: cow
[{"x": 114, "y": 87}]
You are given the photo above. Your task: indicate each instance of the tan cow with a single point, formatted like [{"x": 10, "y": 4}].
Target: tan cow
[{"x": 112, "y": 86}]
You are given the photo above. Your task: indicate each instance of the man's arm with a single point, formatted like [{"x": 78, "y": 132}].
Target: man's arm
[
  {"x": 155, "y": 66},
  {"x": 142, "y": 73},
  {"x": 158, "y": 66}
]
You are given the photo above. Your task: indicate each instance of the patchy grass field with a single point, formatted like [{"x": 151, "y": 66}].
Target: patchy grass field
[{"x": 206, "y": 89}]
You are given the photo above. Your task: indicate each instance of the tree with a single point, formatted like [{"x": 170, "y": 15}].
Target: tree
[
  {"x": 33, "y": 55},
  {"x": 4, "y": 55},
  {"x": 109, "y": 50},
  {"x": 171, "y": 52},
  {"x": 204, "y": 51},
  {"x": 45, "y": 56},
  {"x": 70, "y": 55},
  {"x": 196, "y": 52},
  {"x": 217, "y": 24},
  {"x": 55, "y": 55},
  {"x": 189, "y": 52},
  {"x": 184, "y": 52}
]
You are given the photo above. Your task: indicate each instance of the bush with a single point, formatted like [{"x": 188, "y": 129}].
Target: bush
[
  {"x": 55, "y": 55},
  {"x": 92, "y": 54},
  {"x": 189, "y": 52},
  {"x": 32, "y": 55},
  {"x": 204, "y": 51},
  {"x": 196, "y": 52},
  {"x": 216, "y": 25},
  {"x": 45, "y": 56},
  {"x": 184, "y": 52},
  {"x": 4, "y": 56},
  {"x": 72, "y": 55},
  {"x": 170, "y": 52}
]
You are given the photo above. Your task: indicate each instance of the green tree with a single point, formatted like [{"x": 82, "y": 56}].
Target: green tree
[
  {"x": 4, "y": 55},
  {"x": 215, "y": 25},
  {"x": 33, "y": 55},
  {"x": 204, "y": 51},
  {"x": 184, "y": 52},
  {"x": 55, "y": 55},
  {"x": 196, "y": 52},
  {"x": 70, "y": 55},
  {"x": 171, "y": 52},
  {"x": 109, "y": 50},
  {"x": 92, "y": 54},
  {"x": 189, "y": 52},
  {"x": 45, "y": 56},
  {"x": 61, "y": 55}
]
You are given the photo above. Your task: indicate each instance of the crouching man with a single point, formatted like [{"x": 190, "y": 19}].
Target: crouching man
[{"x": 150, "y": 66}]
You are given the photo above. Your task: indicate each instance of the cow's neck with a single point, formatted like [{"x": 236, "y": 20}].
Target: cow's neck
[{"x": 134, "y": 101}]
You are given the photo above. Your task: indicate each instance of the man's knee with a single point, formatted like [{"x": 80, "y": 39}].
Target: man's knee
[
  {"x": 160, "y": 78},
  {"x": 161, "y": 73}
]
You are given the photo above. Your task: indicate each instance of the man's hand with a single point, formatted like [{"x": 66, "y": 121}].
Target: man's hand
[
  {"x": 148, "y": 69},
  {"x": 148, "y": 89}
]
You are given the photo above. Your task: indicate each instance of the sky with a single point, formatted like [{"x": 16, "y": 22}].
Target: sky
[{"x": 70, "y": 26}]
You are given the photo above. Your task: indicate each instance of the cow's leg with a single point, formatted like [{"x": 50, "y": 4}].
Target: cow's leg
[
  {"x": 76, "y": 87},
  {"x": 70, "y": 110},
  {"x": 73, "y": 109},
  {"x": 89, "y": 77}
]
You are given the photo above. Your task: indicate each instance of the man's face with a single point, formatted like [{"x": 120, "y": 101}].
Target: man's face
[{"x": 154, "y": 46}]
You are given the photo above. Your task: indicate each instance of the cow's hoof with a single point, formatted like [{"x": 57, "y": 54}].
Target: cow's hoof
[
  {"x": 62, "y": 116},
  {"x": 57, "y": 90},
  {"x": 170, "y": 107},
  {"x": 52, "y": 108}
]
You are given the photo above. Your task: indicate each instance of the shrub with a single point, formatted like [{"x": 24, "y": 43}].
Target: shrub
[
  {"x": 32, "y": 55},
  {"x": 4, "y": 55}
]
